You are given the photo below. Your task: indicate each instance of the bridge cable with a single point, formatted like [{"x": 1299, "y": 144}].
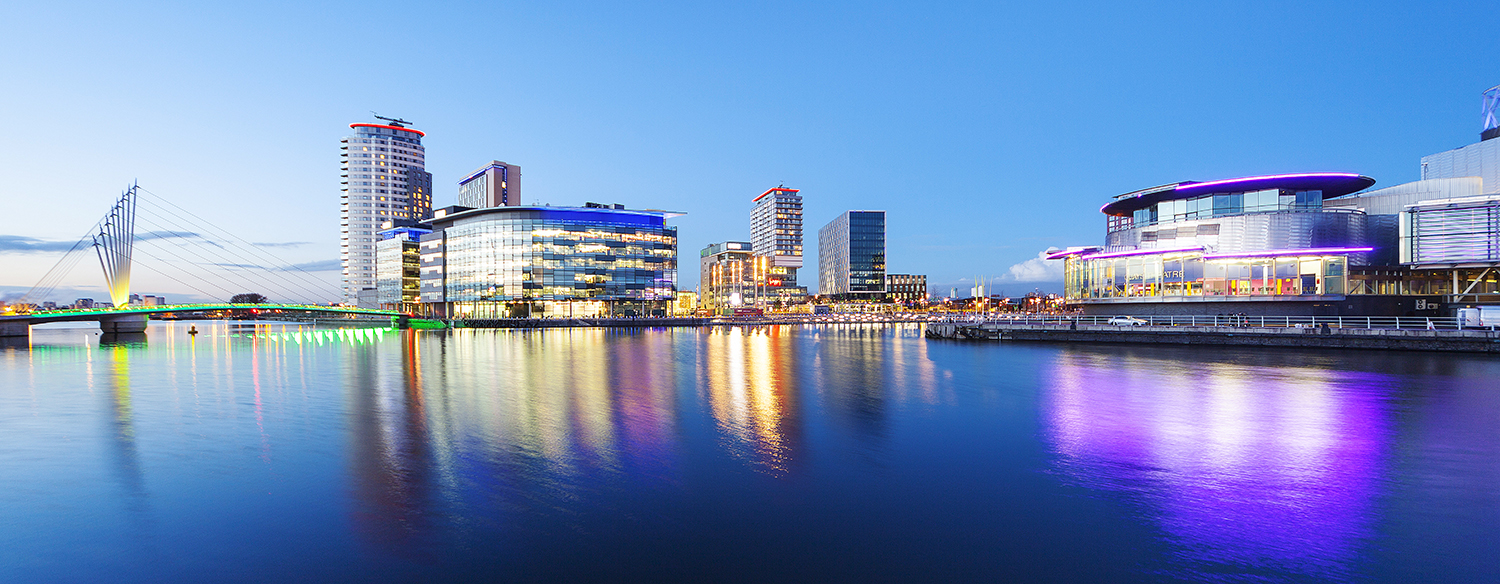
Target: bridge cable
[
  {"x": 230, "y": 258},
  {"x": 284, "y": 265},
  {"x": 200, "y": 290},
  {"x": 202, "y": 277},
  {"x": 55, "y": 276},
  {"x": 294, "y": 287},
  {"x": 226, "y": 262}
]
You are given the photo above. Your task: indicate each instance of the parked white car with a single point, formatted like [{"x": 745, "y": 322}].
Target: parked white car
[{"x": 1127, "y": 321}]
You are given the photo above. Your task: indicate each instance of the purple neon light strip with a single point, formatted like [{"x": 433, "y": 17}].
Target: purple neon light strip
[
  {"x": 1193, "y": 186},
  {"x": 1120, "y": 254},
  {"x": 1291, "y": 252},
  {"x": 1063, "y": 254}
]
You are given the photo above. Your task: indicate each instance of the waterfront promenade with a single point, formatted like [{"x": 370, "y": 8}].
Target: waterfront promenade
[
  {"x": 684, "y": 321},
  {"x": 1390, "y": 333}
]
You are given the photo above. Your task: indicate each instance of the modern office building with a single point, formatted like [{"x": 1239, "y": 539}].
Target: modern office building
[
  {"x": 397, "y": 265},
  {"x": 496, "y": 184},
  {"x": 776, "y": 239},
  {"x": 851, "y": 256},
  {"x": 514, "y": 261},
  {"x": 906, "y": 288},
  {"x": 726, "y": 274},
  {"x": 384, "y": 178}
]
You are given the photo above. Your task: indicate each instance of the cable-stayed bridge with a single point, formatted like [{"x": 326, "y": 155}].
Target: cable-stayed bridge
[{"x": 180, "y": 246}]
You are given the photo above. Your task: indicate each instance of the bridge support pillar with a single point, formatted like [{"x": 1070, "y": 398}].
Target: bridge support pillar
[
  {"x": 126, "y": 323},
  {"x": 15, "y": 329}
]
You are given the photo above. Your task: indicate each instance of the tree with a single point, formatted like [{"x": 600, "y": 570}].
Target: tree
[{"x": 248, "y": 298}]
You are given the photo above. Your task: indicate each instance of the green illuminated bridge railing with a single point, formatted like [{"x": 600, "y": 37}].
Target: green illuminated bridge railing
[{"x": 87, "y": 313}]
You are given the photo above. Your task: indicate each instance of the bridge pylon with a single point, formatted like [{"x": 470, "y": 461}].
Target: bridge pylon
[{"x": 115, "y": 244}]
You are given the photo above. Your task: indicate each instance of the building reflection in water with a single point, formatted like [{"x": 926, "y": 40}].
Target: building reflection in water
[
  {"x": 527, "y": 424},
  {"x": 749, "y": 377},
  {"x": 853, "y": 376},
  {"x": 390, "y": 446},
  {"x": 496, "y": 419},
  {"x": 1241, "y": 466}
]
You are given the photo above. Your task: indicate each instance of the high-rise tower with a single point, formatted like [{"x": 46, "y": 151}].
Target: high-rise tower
[
  {"x": 851, "y": 256},
  {"x": 384, "y": 178},
  {"x": 776, "y": 241}
]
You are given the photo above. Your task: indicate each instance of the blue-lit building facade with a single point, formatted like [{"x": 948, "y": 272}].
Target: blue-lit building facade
[
  {"x": 1255, "y": 245},
  {"x": 528, "y": 261},
  {"x": 398, "y": 265}
]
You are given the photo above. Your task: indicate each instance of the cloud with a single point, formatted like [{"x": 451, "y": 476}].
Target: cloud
[
  {"x": 20, "y": 244},
  {"x": 283, "y": 244},
  {"x": 1037, "y": 269},
  {"x": 150, "y": 235},
  {"x": 318, "y": 266}
]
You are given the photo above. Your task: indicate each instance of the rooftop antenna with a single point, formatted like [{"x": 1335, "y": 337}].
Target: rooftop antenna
[
  {"x": 397, "y": 122},
  {"x": 1491, "y": 111}
]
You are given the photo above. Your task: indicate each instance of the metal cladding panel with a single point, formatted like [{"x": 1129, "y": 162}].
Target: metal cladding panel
[
  {"x": 1256, "y": 232},
  {"x": 1481, "y": 159},
  {"x": 1391, "y": 200},
  {"x": 787, "y": 261},
  {"x": 1461, "y": 232}
]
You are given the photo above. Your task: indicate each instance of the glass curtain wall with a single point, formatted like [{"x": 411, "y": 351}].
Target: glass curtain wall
[
  {"x": 867, "y": 251},
  {"x": 1223, "y": 205},
  {"x": 537, "y": 258}
]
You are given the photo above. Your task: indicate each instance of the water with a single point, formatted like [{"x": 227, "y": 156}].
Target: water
[{"x": 813, "y": 454}]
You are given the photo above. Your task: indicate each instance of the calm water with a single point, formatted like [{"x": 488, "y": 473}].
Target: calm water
[{"x": 758, "y": 455}]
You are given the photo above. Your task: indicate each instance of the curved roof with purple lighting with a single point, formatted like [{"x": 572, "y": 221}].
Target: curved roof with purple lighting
[{"x": 1333, "y": 184}]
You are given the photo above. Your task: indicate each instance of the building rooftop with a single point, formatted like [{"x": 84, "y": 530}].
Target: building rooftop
[
  {"x": 1332, "y": 184},
  {"x": 403, "y": 129}
]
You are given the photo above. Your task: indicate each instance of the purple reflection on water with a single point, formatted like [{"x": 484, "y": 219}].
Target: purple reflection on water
[{"x": 1242, "y": 467}]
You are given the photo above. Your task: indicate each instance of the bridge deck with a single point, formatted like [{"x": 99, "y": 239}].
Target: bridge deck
[{"x": 46, "y": 316}]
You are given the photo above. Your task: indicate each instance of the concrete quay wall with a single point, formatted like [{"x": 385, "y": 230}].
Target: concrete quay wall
[{"x": 1474, "y": 341}]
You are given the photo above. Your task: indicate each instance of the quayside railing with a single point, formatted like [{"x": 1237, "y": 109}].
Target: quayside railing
[{"x": 1220, "y": 320}]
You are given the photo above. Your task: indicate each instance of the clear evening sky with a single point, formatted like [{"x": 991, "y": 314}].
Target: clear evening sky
[{"x": 987, "y": 131}]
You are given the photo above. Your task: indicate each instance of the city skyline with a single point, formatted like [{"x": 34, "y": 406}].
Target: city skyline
[{"x": 989, "y": 146}]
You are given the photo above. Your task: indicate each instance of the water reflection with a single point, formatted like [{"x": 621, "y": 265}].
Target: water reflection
[
  {"x": 594, "y": 453},
  {"x": 115, "y": 378},
  {"x": 392, "y": 461},
  {"x": 750, "y": 376},
  {"x": 1243, "y": 466}
]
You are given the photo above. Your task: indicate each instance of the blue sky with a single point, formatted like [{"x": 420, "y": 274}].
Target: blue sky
[{"x": 988, "y": 131}]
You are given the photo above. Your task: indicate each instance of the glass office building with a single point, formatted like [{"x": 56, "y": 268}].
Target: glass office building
[
  {"x": 549, "y": 261},
  {"x": 397, "y": 273},
  {"x": 851, "y": 256}
]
